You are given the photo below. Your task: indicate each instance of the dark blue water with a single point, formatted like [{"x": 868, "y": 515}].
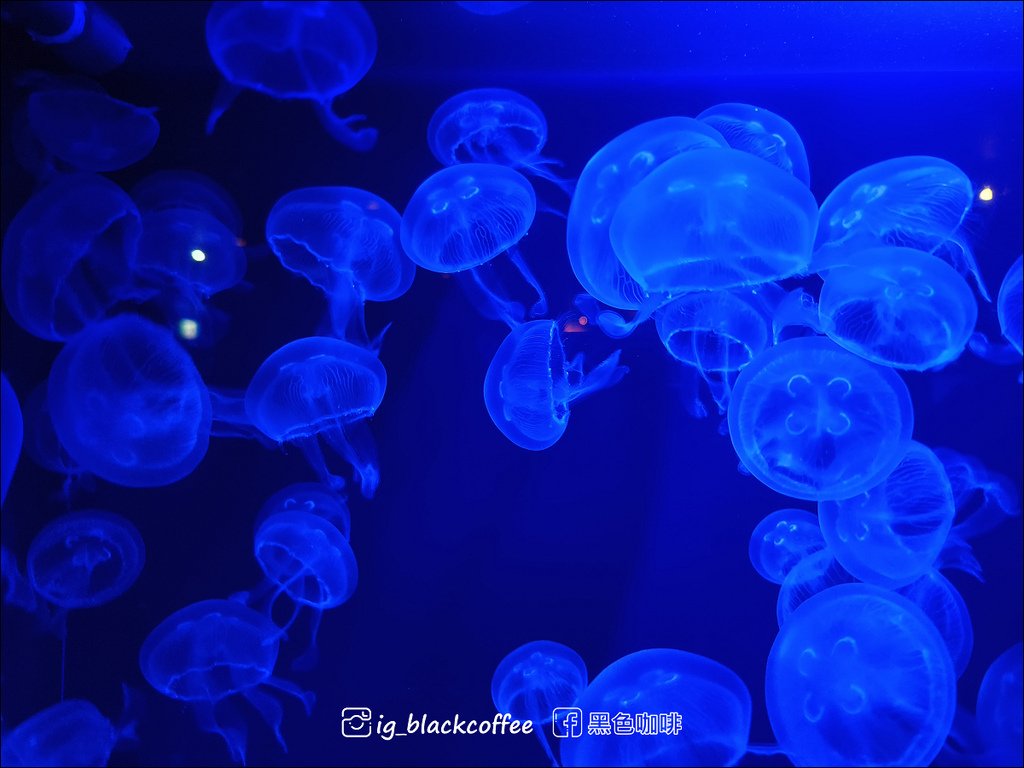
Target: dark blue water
[{"x": 629, "y": 533}]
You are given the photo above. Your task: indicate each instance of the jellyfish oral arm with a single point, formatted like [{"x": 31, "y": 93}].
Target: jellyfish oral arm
[
  {"x": 540, "y": 307},
  {"x": 993, "y": 352},
  {"x": 610, "y": 321},
  {"x": 343, "y": 129},
  {"x": 222, "y": 101},
  {"x": 355, "y": 443},
  {"x": 606, "y": 374},
  {"x": 230, "y": 419}
]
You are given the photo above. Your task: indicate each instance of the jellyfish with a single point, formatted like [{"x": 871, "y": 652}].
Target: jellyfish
[
  {"x": 899, "y": 307},
  {"x": 493, "y": 125},
  {"x": 781, "y": 540},
  {"x": 13, "y": 432},
  {"x": 999, "y": 710},
  {"x": 72, "y": 732},
  {"x": 490, "y": 7},
  {"x": 128, "y": 403},
  {"x": 297, "y": 50},
  {"x": 69, "y": 254},
  {"x": 211, "y": 651},
  {"x": 1010, "y": 312},
  {"x": 942, "y": 603},
  {"x": 82, "y": 33},
  {"x": 345, "y": 241},
  {"x": 464, "y": 216},
  {"x": 313, "y": 498},
  {"x": 891, "y": 534},
  {"x": 858, "y": 675},
  {"x": 910, "y": 202},
  {"x": 763, "y": 134},
  {"x": 813, "y": 574},
  {"x": 813, "y": 421},
  {"x": 607, "y": 179},
  {"x": 717, "y": 333},
  {"x": 682, "y": 709},
  {"x": 177, "y": 190},
  {"x": 534, "y": 679},
  {"x": 530, "y": 384}
]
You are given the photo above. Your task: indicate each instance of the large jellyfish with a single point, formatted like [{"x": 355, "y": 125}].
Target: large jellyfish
[
  {"x": 781, "y": 540},
  {"x": 128, "y": 403},
  {"x": 941, "y": 602},
  {"x": 69, "y": 254},
  {"x": 310, "y": 51},
  {"x": 210, "y": 651},
  {"x": 13, "y": 431},
  {"x": 344, "y": 241},
  {"x": 897, "y": 306},
  {"x": 891, "y": 534},
  {"x": 493, "y": 125},
  {"x": 72, "y": 732},
  {"x": 858, "y": 675},
  {"x": 762, "y": 133},
  {"x": 662, "y": 707},
  {"x": 1010, "y": 312},
  {"x": 534, "y": 679},
  {"x": 913, "y": 202},
  {"x": 530, "y": 384},
  {"x": 462, "y": 217},
  {"x": 999, "y": 713},
  {"x": 813, "y": 421}
]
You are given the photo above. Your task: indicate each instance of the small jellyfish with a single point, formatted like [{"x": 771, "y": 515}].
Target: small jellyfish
[
  {"x": 891, "y": 534},
  {"x": 813, "y": 421},
  {"x": 493, "y": 125},
  {"x": 899, "y": 307},
  {"x": 781, "y": 540},
  {"x": 762, "y": 133},
  {"x": 314, "y": 498},
  {"x": 534, "y": 679},
  {"x": 463, "y": 217},
  {"x": 72, "y": 732},
  {"x": 910, "y": 202},
  {"x": 1010, "y": 311},
  {"x": 813, "y": 574},
  {"x": 1000, "y": 713},
  {"x": 942, "y": 603},
  {"x": 610, "y": 175},
  {"x": 530, "y": 384},
  {"x": 858, "y": 675},
  {"x": 211, "y": 651},
  {"x": 297, "y": 50},
  {"x": 702, "y": 708},
  {"x": 13, "y": 431},
  {"x": 68, "y": 255},
  {"x": 128, "y": 403},
  {"x": 344, "y": 241}
]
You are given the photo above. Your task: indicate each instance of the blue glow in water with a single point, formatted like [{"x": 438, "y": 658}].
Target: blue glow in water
[
  {"x": 934, "y": 594},
  {"x": 13, "y": 434},
  {"x": 72, "y": 732},
  {"x": 999, "y": 709}
]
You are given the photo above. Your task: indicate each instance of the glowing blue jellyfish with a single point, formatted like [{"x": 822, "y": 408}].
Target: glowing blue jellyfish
[
  {"x": 530, "y": 384},
  {"x": 313, "y": 498},
  {"x": 177, "y": 190},
  {"x": 492, "y": 125},
  {"x": 762, "y": 133},
  {"x": 891, "y": 534},
  {"x": 344, "y": 241},
  {"x": 211, "y": 651},
  {"x": 813, "y": 574},
  {"x": 68, "y": 255},
  {"x": 81, "y": 33},
  {"x": 490, "y": 7},
  {"x": 128, "y": 403},
  {"x": 858, "y": 675},
  {"x": 296, "y": 50},
  {"x": 72, "y": 732},
  {"x": 13, "y": 432},
  {"x": 781, "y": 540},
  {"x": 534, "y": 679},
  {"x": 898, "y": 307},
  {"x": 1010, "y": 311},
  {"x": 665, "y": 683},
  {"x": 606, "y": 180},
  {"x": 1000, "y": 714},
  {"x": 910, "y": 202},
  {"x": 321, "y": 387},
  {"x": 942, "y": 603},
  {"x": 813, "y": 421},
  {"x": 462, "y": 217}
]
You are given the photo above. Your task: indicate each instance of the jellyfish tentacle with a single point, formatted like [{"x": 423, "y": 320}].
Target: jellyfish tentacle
[
  {"x": 606, "y": 374},
  {"x": 344, "y": 130},
  {"x": 234, "y": 736},
  {"x": 355, "y": 443},
  {"x": 270, "y": 710},
  {"x": 537, "y": 168},
  {"x": 992, "y": 352},
  {"x": 797, "y": 308},
  {"x": 610, "y": 321},
  {"x": 540, "y": 307},
  {"x": 509, "y": 312},
  {"x": 958, "y": 252},
  {"x": 348, "y": 321},
  {"x": 311, "y": 655},
  {"x": 308, "y": 698},
  {"x": 226, "y": 94},
  {"x": 310, "y": 447}
]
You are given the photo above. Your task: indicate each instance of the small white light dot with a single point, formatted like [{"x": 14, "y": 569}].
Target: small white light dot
[
  {"x": 985, "y": 195},
  {"x": 188, "y": 328},
  {"x": 198, "y": 255}
]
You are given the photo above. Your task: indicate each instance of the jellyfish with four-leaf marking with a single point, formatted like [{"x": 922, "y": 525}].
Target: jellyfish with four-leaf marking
[
  {"x": 1010, "y": 313},
  {"x": 859, "y": 675},
  {"x": 71, "y": 732},
  {"x": 313, "y": 498},
  {"x": 465, "y": 216},
  {"x": 813, "y": 421},
  {"x": 493, "y": 125},
  {"x": 606, "y": 180},
  {"x": 68, "y": 255},
  {"x": 536, "y": 678},
  {"x": 912, "y": 202},
  {"x": 303, "y": 51},
  {"x": 13, "y": 432},
  {"x": 704, "y": 705},
  {"x": 530, "y": 384},
  {"x": 212, "y": 651},
  {"x": 781, "y": 540},
  {"x": 762, "y": 133},
  {"x": 345, "y": 241},
  {"x": 128, "y": 403}
]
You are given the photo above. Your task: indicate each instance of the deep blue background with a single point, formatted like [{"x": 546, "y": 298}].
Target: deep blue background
[{"x": 632, "y": 531}]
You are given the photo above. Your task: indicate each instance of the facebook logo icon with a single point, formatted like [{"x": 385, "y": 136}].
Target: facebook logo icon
[{"x": 567, "y": 722}]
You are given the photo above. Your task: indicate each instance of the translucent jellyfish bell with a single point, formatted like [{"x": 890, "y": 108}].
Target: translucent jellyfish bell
[
  {"x": 177, "y": 190},
  {"x": 294, "y": 50},
  {"x": 781, "y": 540},
  {"x": 761, "y": 133},
  {"x": 128, "y": 403},
  {"x": 72, "y": 732},
  {"x": 1010, "y": 311},
  {"x": 313, "y": 498},
  {"x": 667, "y": 684},
  {"x": 942, "y": 603},
  {"x": 858, "y": 675},
  {"x": 813, "y": 421},
  {"x": 530, "y": 384},
  {"x": 999, "y": 712},
  {"x": 13, "y": 432}
]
